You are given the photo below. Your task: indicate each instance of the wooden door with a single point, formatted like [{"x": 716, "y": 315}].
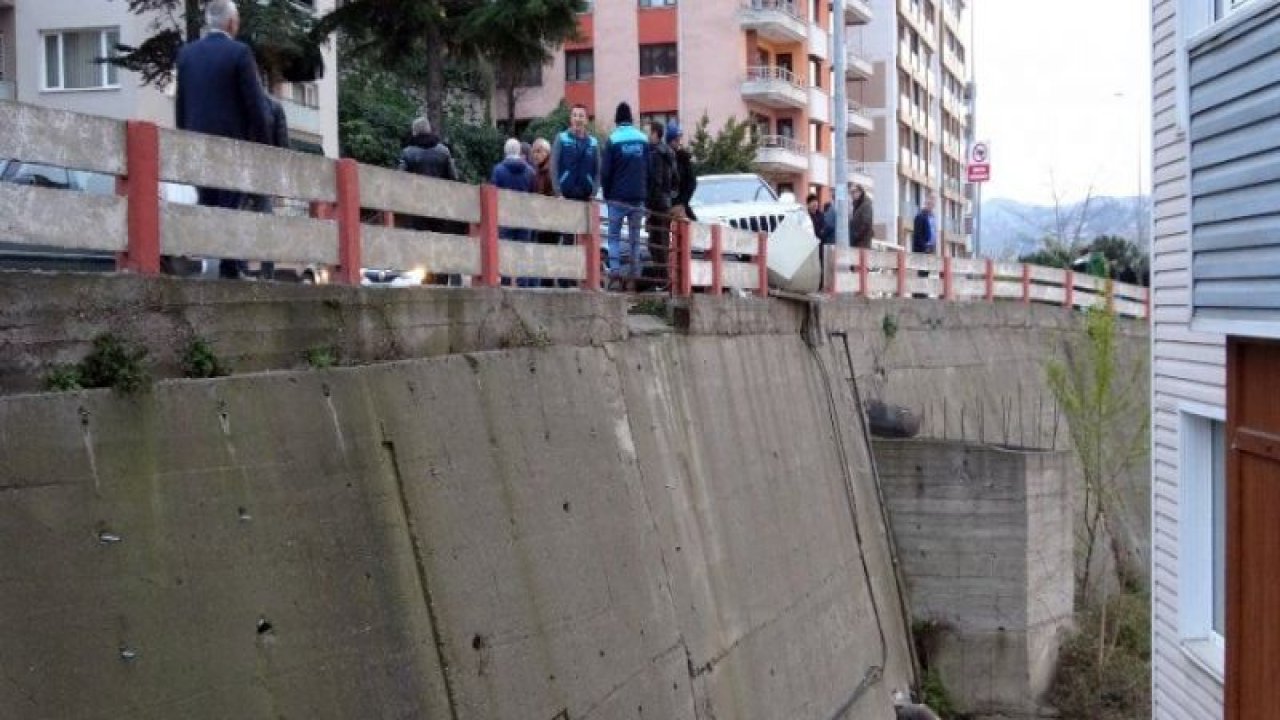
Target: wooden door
[{"x": 1253, "y": 529}]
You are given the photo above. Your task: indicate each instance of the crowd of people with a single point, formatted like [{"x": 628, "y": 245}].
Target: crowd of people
[
  {"x": 645, "y": 178},
  {"x": 860, "y": 219}
]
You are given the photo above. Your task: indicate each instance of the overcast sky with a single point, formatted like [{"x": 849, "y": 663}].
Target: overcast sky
[{"x": 1048, "y": 74}]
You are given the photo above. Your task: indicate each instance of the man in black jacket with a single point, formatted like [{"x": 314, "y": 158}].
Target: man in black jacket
[
  {"x": 686, "y": 180},
  {"x": 663, "y": 181},
  {"x": 427, "y": 155}
]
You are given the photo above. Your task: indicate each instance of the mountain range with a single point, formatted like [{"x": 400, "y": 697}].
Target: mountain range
[{"x": 1011, "y": 228}]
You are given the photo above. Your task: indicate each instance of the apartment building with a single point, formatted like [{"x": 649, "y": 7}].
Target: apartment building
[
  {"x": 48, "y": 53},
  {"x": 764, "y": 60},
  {"x": 910, "y": 75}
]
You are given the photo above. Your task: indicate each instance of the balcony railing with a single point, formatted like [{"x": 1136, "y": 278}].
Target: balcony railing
[
  {"x": 857, "y": 67},
  {"x": 782, "y": 142},
  {"x": 859, "y": 122},
  {"x": 857, "y": 12},
  {"x": 774, "y": 86},
  {"x": 776, "y": 20}
]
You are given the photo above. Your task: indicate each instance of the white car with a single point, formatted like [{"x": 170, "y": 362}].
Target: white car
[{"x": 745, "y": 202}]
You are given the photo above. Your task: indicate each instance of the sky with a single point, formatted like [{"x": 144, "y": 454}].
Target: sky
[{"x": 1063, "y": 96}]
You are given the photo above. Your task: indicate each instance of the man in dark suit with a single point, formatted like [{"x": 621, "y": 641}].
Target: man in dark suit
[{"x": 220, "y": 93}]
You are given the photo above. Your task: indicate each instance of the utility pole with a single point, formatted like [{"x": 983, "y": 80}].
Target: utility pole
[
  {"x": 971, "y": 98},
  {"x": 840, "y": 100}
]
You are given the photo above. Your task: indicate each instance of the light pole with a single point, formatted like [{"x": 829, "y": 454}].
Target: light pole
[{"x": 841, "y": 114}]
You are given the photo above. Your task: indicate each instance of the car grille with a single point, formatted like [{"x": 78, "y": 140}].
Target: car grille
[
  {"x": 756, "y": 223},
  {"x": 381, "y": 276}
]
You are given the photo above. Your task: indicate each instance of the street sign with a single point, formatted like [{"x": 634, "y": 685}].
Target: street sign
[{"x": 979, "y": 163}]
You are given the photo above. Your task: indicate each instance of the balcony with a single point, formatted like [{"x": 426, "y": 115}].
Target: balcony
[
  {"x": 819, "y": 105},
  {"x": 782, "y": 155},
  {"x": 8, "y": 89},
  {"x": 820, "y": 169},
  {"x": 302, "y": 118},
  {"x": 774, "y": 20},
  {"x": 860, "y": 175},
  {"x": 860, "y": 123},
  {"x": 819, "y": 42},
  {"x": 774, "y": 87},
  {"x": 904, "y": 109},
  {"x": 856, "y": 66},
  {"x": 857, "y": 12}
]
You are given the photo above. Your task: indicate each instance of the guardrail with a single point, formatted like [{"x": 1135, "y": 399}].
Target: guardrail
[
  {"x": 872, "y": 273},
  {"x": 139, "y": 227}
]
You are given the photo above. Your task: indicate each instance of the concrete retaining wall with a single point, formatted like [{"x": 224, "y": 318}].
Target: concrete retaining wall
[
  {"x": 984, "y": 536},
  {"x": 656, "y": 528}
]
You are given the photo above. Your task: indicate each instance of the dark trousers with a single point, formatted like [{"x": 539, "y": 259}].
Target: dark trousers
[
  {"x": 659, "y": 241},
  {"x": 232, "y": 200}
]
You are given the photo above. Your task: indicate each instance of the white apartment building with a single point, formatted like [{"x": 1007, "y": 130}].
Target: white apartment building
[
  {"x": 48, "y": 50},
  {"x": 911, "y": 74}
]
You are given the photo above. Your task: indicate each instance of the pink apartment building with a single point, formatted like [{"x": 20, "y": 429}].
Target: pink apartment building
[{"x": 767, "y": 60}]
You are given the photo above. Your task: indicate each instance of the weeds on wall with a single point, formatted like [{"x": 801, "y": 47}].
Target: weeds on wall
[
  {"x": 321, "y": 358},
  {"x": 113, "y": 362},
  {"x": 199, "y": 361}
]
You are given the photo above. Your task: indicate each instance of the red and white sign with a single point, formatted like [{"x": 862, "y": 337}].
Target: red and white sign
[{"x": 979, "y": 163}]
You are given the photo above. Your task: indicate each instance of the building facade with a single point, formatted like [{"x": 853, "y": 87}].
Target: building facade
[
  {"x": 48, "y": 50},
  {"x": 766, "y": 61},
  {"x": 910, "y": 73},
  {"x": 1216, "y": 358}
]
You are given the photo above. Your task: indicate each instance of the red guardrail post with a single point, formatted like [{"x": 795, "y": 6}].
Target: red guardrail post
[
  {"x": 686, "y": 259},
  {"x": 717, "y": 262},
  {"x": 590, "y": 242},
  {"x": 902, "y": 273},
  {"x": 388, "y": 219},
  {"x": 1069, "y": 289},
  {"x": 487, "y": 231},
  {"x": 762, "y": 263},
  {"x": 1026, "y": 284},
  {"x": 142, "y": 189},
  {"x": 991, "y": 280},
  {"x": 948, "y": 282},
  {"x": 347, "y": 178},
  {"x": 864, "y": 274}
]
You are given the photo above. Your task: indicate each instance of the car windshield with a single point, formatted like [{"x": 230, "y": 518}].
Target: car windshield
[{"x": 732, "y": 190}]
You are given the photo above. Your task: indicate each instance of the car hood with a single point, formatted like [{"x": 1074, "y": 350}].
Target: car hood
[{"x": 724, "y": 211}]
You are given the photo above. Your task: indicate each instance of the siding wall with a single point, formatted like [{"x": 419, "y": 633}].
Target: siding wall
[
  {"x": 1234, "y": 82},
  {"x": 1187, "y": 367}
]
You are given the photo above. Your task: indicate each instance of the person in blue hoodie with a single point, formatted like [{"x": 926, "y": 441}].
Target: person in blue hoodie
[
  {"x": 625, "y": 181},
  {"x": 513, "y": 173}
]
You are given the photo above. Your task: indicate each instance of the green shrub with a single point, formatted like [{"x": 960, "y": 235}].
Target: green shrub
[
  {"x": 199, "y": 361},
  {"x": 321, "y": 357},
  {"x": 1104, "y": 669},
  {"x": 115, "y": 363},
  {"x": 62, "y": 378}
]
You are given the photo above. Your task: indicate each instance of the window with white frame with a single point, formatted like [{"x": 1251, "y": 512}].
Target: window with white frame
[
  {"x": 72, "y": 59},
  {"x": 1202, "y": 538}
]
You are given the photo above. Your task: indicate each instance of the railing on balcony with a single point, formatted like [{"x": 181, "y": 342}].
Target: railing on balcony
[
  {"x": 764, "y": 73},
  {"x": 857, "y": 12},
  {"x": 784, "y": 6},
  {"x": 782, "y": 142},
  {"x": 857, "y": 67}
]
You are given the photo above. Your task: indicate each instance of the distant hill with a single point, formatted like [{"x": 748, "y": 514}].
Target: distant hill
[{"x": 1011, "y": 228}]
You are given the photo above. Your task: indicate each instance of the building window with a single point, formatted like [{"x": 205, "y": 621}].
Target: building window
[
  {"x": 663, "y": 117},
  {"x": 1202, "y": 556},
  {"x": 658, "y": 60},
  {"x": 2, "y": 58},
  {"x": 530, "y": 76},
  {"x": 1223, "y": 8},
  {"x": 579, "y": 66},
  {"x": 306, "y": 94},
  {"x": 71, "y": 59},
  {"x": 657, "y": 3}
]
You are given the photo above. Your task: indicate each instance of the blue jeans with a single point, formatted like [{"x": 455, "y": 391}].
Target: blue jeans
[{"x": 630, "y": 251}]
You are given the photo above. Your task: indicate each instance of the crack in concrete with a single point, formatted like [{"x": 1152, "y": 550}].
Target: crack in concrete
[{"x": 420, "y": 566}]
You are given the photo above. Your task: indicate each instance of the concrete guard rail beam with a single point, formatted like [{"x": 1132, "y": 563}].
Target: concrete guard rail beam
[
  {"x": 140, "y": 227},
  {"x": 879, "y": 274}
]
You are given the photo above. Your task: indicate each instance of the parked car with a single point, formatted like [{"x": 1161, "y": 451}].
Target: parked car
[{"x": 746, "y": 202}]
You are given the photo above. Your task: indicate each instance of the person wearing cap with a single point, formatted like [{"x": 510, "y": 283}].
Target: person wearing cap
[
  {"x": 624, "y": 177},
  {"x": 686, "y": 180}
]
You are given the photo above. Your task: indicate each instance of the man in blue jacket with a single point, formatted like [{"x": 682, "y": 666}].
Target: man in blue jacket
[
  {"x": 575, "y": 159},
  {"x": 624, "y": 178},
  {"x": 219, "y": 93}
]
